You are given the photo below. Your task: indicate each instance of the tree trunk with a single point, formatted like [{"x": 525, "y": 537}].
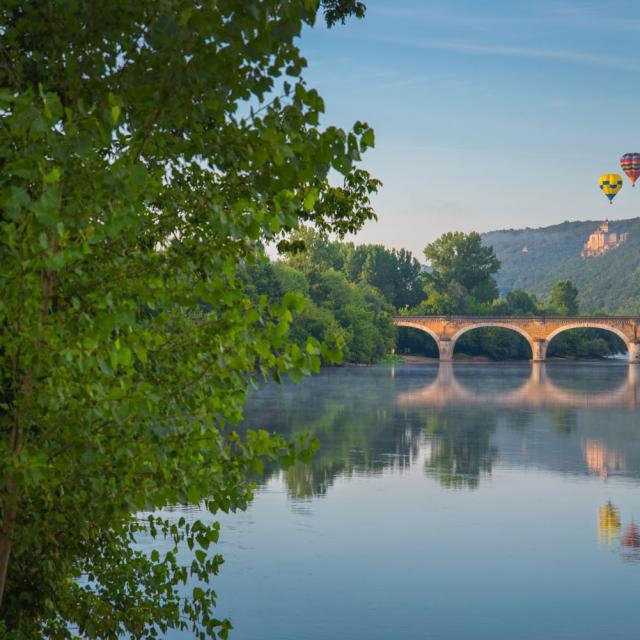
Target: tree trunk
[{"x": 6, "y": 535}]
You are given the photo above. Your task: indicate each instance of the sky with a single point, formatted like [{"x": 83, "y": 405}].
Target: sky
[{"x": 488, "y": 115}]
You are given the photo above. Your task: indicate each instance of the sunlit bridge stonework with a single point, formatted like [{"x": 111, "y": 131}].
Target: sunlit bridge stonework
[{"x": 538, "y": 331}]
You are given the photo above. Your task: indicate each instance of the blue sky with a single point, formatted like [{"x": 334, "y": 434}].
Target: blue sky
[{"x": 488, "y": 114}]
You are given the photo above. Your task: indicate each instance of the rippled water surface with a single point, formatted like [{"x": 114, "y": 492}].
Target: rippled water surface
[{"x": 460, "y": 501}]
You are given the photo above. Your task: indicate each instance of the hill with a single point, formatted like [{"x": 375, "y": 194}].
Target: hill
[{"x": 609, "y": 283}]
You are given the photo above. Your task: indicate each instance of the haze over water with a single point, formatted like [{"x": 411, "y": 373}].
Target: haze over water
[{"x": 445, "y": 502}]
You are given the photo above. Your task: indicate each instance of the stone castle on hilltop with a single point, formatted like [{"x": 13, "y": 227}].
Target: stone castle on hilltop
[{"x": 602, "y": 240}]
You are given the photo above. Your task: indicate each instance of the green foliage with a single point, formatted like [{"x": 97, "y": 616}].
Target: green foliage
[
  {"x": 337, "y": 311},
  {"x": 314, "y": 252},
  {"x": 260, "y": 279},
  {"x": 412, "y": 341},
  {"x": 563, "y": 300},
  {"x": 396, "y": 274},
  {"x": 518, "y": 303},
  {"x": 338, "y": 10},
  {"x": 349, "y": 291},
  {"x": 291, "y": 280},
  {"x": 495, "y": 343},
  {"x": 148, "y": 150},
  {"x": 461, "y": 277},
  {"x": 586, "y": 343}
]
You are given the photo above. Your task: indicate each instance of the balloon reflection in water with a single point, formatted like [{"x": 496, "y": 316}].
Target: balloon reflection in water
[
  {"x": 609, "y": 523},
  {"x": 609, "y": 527},
  {"x": 630, "y": 542}
]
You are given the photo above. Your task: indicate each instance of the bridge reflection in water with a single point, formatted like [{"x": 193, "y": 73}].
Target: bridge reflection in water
[{"x": 538, "y": 390}]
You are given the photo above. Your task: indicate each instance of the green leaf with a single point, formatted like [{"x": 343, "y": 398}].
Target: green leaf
[
  {"x": 367, "y": 140},
  {"x": 53, "y": 176}
]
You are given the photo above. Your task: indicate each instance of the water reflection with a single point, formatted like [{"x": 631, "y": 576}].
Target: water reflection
[
  {"x": 610, "y": 533},
  {"x": 457, "y": 421},
  {"x": 461, "y": 451},
  {"x": 631, "y": 543},
  {"x": 609, "y": 523},
  {"x": 602, "y": 460},
  {"x": 540, "y": 389},
  {"x": 466, "y": 501}
]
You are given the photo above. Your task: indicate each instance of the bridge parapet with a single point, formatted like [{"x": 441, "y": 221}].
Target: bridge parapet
[{"x": 537, "y": 330}]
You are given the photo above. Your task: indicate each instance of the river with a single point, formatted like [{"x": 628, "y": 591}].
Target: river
[{"x": 485, "y": 501}]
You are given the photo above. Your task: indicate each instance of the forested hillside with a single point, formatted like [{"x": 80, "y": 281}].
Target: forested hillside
[{"x": 608, "y": 283}]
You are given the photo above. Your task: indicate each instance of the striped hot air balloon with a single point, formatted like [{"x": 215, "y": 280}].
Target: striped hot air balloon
[
  {"x": 630, "y": 163},
  {"x": 610, "y": 183}
]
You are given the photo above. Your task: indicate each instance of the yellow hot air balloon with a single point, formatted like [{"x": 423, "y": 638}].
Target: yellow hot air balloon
[{"x": 610, "y": 183}]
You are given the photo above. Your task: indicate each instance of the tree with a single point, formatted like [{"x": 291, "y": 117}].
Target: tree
[
  {"x": 260, "y": 278},
  {"x": 564, "y": 299},
  {"x": 338, "y": 10},
  {"x": 380, "y": 270},
  {"x": 461, "y": 272},
  {"x": 518, "y": 303},
  {"x": 311, "y": 251},
  {"x": 148, "y": 150},
  {"x": 395, "y": 273},
  {"x": 410, "y": 282},
  {"x": 362, "y": 313},
  {"x": 291, "y": 280}
]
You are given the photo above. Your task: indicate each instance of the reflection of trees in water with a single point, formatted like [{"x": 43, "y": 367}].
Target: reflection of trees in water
[
  {"x": 368, "y": 421},
  {"x": 461, "y": 449},
  {"x": 518, "y": 419},
  {"x": 363, "y": 433},
  {"x": 353, "y": 443},
  {"x": 563, "y": 421}
]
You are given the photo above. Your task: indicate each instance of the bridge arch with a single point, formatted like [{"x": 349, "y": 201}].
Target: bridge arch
[
  {"x": 604, "y": 326},
  {"x": 499, "y": 325},
  {"x": 420, "y": 327}
]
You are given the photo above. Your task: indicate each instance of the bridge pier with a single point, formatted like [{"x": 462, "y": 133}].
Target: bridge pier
[
  {"x": 445, "y": 349},
  {"x": 539, "y": 350},
  {"x": 634, "y": 352}
]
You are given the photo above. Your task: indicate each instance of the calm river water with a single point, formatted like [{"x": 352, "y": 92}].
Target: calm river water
[{"x": 458, "y": 501}]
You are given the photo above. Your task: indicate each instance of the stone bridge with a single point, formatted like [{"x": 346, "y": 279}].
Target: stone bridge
[{"x": 538, "y": 331}]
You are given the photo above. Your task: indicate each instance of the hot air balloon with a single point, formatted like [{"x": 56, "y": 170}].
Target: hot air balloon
[
  {"x": 630, "y": 163},
  {"x": 610, "y": 183}
]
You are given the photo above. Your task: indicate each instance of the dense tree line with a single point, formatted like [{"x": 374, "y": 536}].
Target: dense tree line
[
  {"x": 351, "y": 291},
  {"x": 348, "y": 292}
]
